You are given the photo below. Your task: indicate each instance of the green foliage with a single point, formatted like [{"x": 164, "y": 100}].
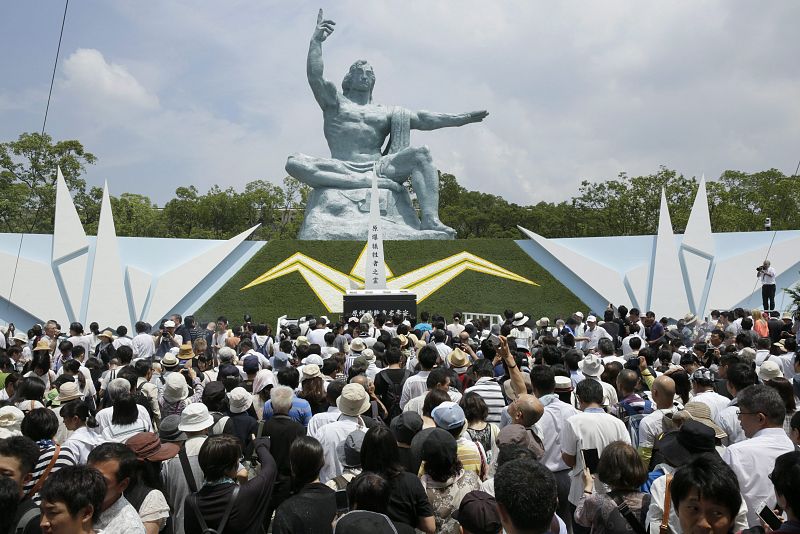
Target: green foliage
[
  {"x": 28, "y": 177},
  {"x": 470, "y": 291},
  {"x": 626, "y": 205}
]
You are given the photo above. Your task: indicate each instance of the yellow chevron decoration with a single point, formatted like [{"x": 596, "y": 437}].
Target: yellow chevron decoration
[{"x": 330, "y": 284}]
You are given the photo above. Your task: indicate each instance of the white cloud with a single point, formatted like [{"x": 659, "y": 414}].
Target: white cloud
[{"x": 95, "y": 81}]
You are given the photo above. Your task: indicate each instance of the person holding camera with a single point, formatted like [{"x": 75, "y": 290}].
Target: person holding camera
[{"x": 766, "y": 274}]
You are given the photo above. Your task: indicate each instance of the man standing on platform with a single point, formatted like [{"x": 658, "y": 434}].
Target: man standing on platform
[{"x": 766, "y": 275}]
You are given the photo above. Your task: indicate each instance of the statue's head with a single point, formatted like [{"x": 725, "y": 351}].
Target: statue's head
[{"x": 360, "y": 77}]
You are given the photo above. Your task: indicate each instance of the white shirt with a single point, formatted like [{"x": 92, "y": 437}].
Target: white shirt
[
  {"x": 317, "y": 336},
  {"x": 522, "y": 336},
  {"x": 415, "y": 404},
  {"x": 556, "y": 413},
  {"x": 319, "y": 420},
  {"x": 81, "y": 443},
  {"x": 120, "y": 518},
  {"x": 753, "y": 460},
  {"x": 330, "y": 437},
  {"x": 609, "y": 392},
  {"x": 651, "y": 426},
  {"x": 715, "y": 402},
  {"x": 122, "y": 342},
  {"x": 767, "y": 276},
  {"x": 104, "y": 418},
  {"x": 415, "y": 386},
  {"x": 143, "y": 345},
  {"x": 81, "y": 341},
  {"x": 762, "y": 355},
  {"x": 626, "y": 345},
  {"x": 594, "y": 429},
  {"x": 786, "y": 362},
  {"x": 594, "y": 335},
  {"x": 728, "y": 420}
]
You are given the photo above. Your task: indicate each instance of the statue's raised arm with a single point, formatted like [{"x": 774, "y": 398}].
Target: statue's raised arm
[{"x": 324, "y": 91}]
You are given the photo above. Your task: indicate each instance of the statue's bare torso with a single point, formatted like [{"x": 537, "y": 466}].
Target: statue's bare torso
[{"x": 356, "y": 132}]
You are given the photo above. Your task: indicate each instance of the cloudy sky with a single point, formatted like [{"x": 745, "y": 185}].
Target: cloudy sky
[{"x": 170, "y": 93}]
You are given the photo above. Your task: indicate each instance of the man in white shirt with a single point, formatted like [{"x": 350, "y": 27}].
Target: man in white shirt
[
  {"x": 317, "y": 335},
  {"x": 652, "y": 425},
  {"x": 703, "y": 389},
  {"x": 592, "y": 334},
  {"x": 761, "y": 412},
  {"x": 142, "y": 344},
  {"x": 762, "y": 351},
  {"x": 629, "y": 346},
  {"x": 592, "y": 367},
  {"x": 455, "y": 328},
  {"x": 444, "y": 350},
  {"x": 766, "y": 275},
  {"x": 592, "y": 430},
  {"x": 353, "y": 401},
  {"x": 416, "y": 385},
  {"x": 523, "y": 336},
  {"x": 551, "y": 424},
  {"x": 787, "y": 360},
  {"x": 740, "y": 376}
]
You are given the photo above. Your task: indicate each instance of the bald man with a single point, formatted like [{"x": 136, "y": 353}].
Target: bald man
[
  {"x": 652, "y": 426},
  {"x": 526, "y": 410}
]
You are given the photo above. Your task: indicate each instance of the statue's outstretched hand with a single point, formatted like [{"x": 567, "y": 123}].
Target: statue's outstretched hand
[
  {"x": 477, "y": 116},
  {"x": 324, "y": 28}
]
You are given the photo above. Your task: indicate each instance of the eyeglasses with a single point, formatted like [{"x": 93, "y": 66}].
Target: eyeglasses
[{"x": 740, "y": 413}]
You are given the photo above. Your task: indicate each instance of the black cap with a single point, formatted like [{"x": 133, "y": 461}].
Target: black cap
[
  {"x": 680, "y": 446},
  {"x": 405, "y": 426},
  {"x": 364, "y": 522},
  {"x": 478, "y": 514},
  {"x": 440, "y": 447}
]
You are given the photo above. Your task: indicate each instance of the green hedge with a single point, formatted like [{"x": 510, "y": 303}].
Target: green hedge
[{"x": 470, "y": 291}]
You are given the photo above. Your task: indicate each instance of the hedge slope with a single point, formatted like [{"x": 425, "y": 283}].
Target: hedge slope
[{"x": 470, "y": 291}]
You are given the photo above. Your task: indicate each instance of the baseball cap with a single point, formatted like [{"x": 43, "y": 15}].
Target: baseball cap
[
  {"x": 477, "y": 513},
  {"x": 448, "y": 415},
  {"x": 405, "y": 426}
]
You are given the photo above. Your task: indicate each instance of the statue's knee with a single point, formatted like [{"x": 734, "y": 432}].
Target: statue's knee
[
  {"x": 423, "y": 155},
  {"x": 294, "y": 164}
]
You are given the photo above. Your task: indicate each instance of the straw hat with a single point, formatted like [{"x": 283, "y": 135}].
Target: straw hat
[
  {"x": 418, "y": 343},
  {"x": 701, "y": 413},
  {"x": 169, "y": 360},
  {"x": 458, "y": 358},
  {"x": 69, "y": 391},
  {"x": 108, "y": 334},
  {"x": 357, "y": 345},
  {"x": 42, "y": 344},
  {"x": 186, "y": 352}
]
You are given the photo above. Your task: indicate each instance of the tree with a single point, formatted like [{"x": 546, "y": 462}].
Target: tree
[{"x": 28, "y": 172}]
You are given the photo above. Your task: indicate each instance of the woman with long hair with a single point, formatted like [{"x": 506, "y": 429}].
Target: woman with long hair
[
  {"x": 29, "y": 394},
  {"x": 445, "y": 480},
  {"x": 760, "y": 325},
  {"x": 127, "y": 417},
  {"x": 408, "y": 503},
  {"x": 312, "y": 508},
  {"x": 476, "y": 411},
  {"x": 312, "y": 389}
]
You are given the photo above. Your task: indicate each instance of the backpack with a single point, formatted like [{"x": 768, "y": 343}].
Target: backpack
[
  {"x": 633, "y": 422},
  {"x": 262, "y": 348},
  {"x": 34, "y": 514},
  {"x": 391, "y": 398},
  {"x": 616, "y": 521}
]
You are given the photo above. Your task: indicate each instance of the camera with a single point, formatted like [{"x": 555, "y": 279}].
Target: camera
[{"x": 759, "y": 268}]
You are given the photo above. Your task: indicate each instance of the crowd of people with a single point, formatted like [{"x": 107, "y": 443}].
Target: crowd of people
[{"x": 617, "y": 422}]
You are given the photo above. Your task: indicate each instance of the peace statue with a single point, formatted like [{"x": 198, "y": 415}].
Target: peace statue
[{"x": 356, "y": 129}]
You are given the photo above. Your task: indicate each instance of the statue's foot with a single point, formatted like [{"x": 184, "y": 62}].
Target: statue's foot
[{"x": 433, "y": 223}]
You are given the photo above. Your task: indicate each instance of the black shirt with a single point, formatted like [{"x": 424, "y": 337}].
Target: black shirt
[
  {"x": 250, "y": 506},
  {"x": 32, "y": 526},
  {"x": 244, "y": 427},
  {"x": 408, "y": 501},
  {"x": 310, "y": 511}
]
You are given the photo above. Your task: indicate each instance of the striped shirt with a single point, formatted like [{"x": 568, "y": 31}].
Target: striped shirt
[
  {"x": 63, "y": 459},
  {"x": 492, "y": 394}
]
